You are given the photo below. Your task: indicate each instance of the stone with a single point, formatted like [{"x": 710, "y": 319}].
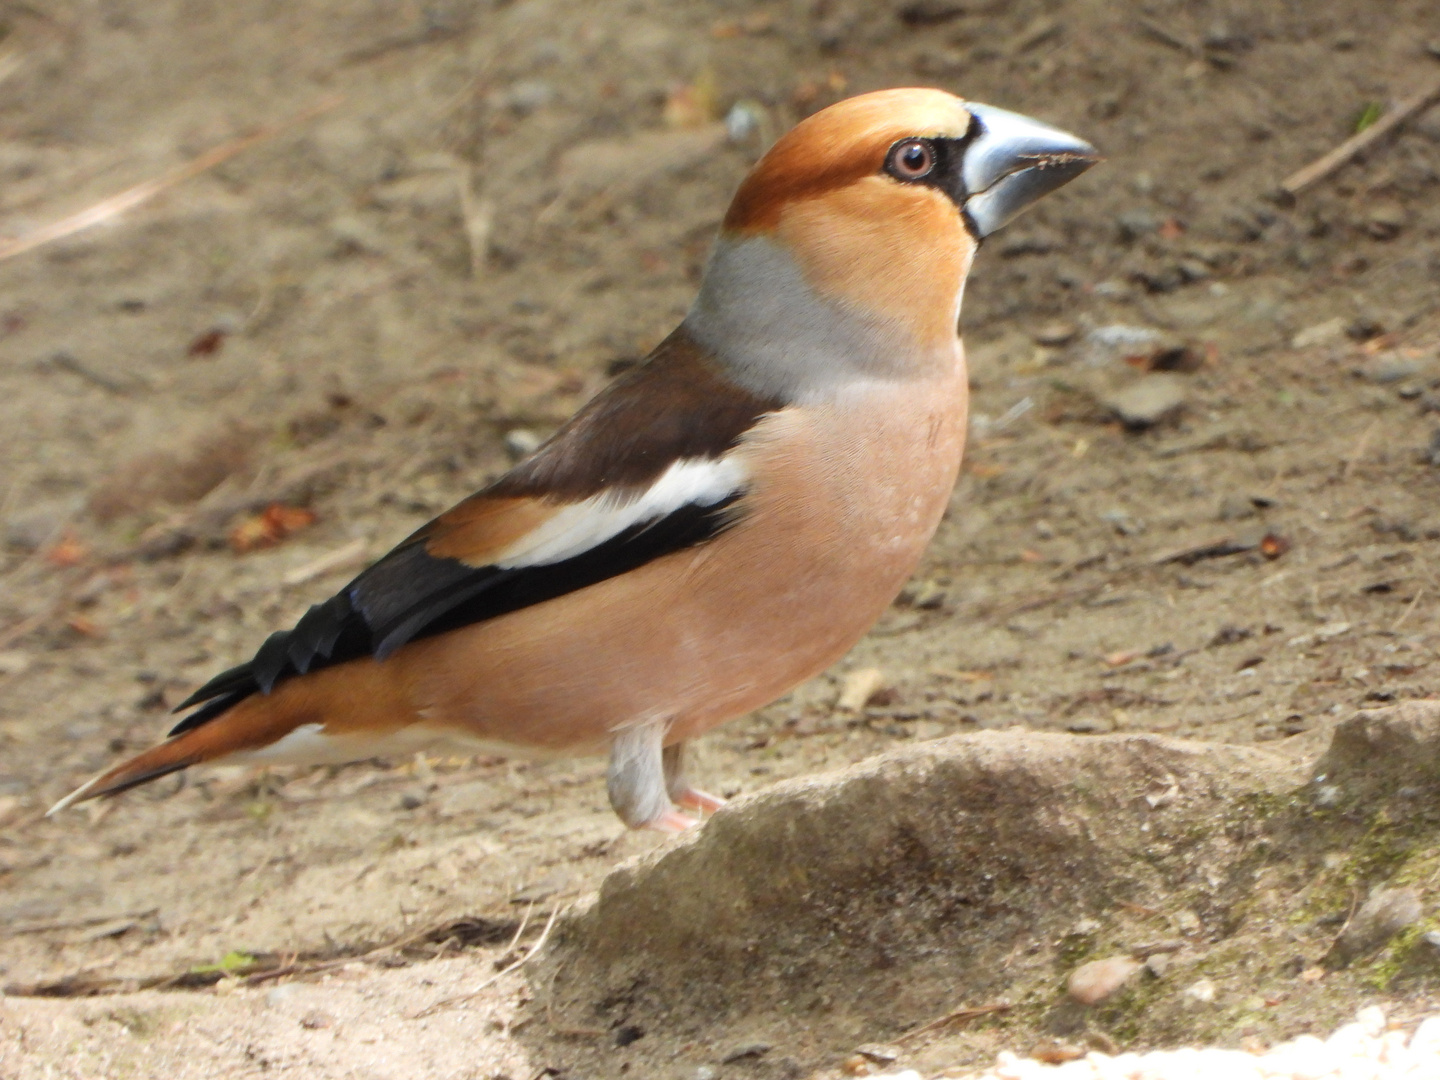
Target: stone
[
  {"x": 1390, "y": 368},
  {"x": 1380, "y": 918},
  {"x": 879, "y": 1053},
  {"x": 1384, "y": 221},
  {"x": 1236, "y": 508},
  {"x": 1092, "y": 983},
  {"x": 1378, "y": 750},
  {"x": 859, "y": 687},
  {"x": 522, "y": 442},
  {"x": 848, "y": 882},
  {"x": 36, "y": 526},
  {"x": 1201, "y": 992},
  {"x": 744, "y": 1051},
  {"x": 1119, "y": 341},
  {"x": 1055, "y": 334},
  {"x": 1329, "y": 332},
  {"x": 1152, "y": 399}
]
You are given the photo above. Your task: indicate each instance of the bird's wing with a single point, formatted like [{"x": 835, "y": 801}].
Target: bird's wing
[{"x": 646, "y": 468}]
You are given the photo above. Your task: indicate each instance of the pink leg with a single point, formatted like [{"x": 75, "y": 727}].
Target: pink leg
[{"x": 680, "y": 792}]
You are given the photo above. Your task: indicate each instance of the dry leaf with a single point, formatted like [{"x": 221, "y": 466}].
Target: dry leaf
[
  {"x": 67, "y": 551},
  {"x": 269, "y": 527},
  {"x": 84, "y": 626}
]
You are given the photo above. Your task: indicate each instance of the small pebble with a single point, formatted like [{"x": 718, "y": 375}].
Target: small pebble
[
  {"x": 1202, "y": 992},
  {"x": 1385, "y": 914},
  {"x": 1118, "y": 342},
  {"x": 1147, "y": 402},
  {"x": 746, "y": 1050},
  {"x": 1236, "y": 508},
  {"x": 14, "y": 663},
  {"x": 880, "y": 1053},
  {"x": 1385, "y": 221},
  {"x": 1092, "y": 983},
  {"x": 1390, "y": 369},
  {"x": 1329, "y": 332},
  {"x": 317, "y": 1020},
  {"x": 859, "y": 687},
  {"x": 1055, "y": 334},
  {"x": 522, "y": 442},
  {"x": 744, "y": 119},
  {"x": 1158, "y": 964}
]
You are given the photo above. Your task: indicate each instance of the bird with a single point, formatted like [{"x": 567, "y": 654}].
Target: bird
[{"x": 719, "y": 524}]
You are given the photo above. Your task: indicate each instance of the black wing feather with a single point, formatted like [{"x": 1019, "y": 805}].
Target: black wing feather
[{"x": 411, "y": 594}]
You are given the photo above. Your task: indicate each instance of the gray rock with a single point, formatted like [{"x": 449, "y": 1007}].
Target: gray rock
[
  {"x": 524, "y": 96},
  {"x": 33, "y": 527},
  {"x": 1154, "y": 398},
  {"x": 926, "y": 864},
  {"x": 1389, "y": 368},
  {"x": 1380, "y": 918},
  {"x": 1117, "y": 341},
  {"x": 1379, "y": 750},
  {"x": 1236, "y": 508},
  {"x": 1136, "y": 223}
]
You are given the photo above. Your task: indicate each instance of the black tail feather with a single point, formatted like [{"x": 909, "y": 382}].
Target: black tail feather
[{"x": 215, "y": 707}]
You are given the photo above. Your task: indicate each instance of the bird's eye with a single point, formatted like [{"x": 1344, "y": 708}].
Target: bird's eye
[{"x": 911, "y": 159}]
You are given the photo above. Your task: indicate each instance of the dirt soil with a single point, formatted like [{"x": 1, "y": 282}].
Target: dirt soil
[{"x": 483, "y": 212}]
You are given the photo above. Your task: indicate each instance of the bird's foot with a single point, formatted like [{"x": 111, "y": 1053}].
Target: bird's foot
[
  {"x": 672, "y": 822},
  {"x": 694, "y": 799}
]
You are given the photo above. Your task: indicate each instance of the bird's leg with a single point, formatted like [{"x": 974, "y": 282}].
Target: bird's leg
[
  {"x": 636, "y": 780},
  {"x": 680, "y": 791}
]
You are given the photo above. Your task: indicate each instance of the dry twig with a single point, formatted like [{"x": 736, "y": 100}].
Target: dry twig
[
  {"x": 107, "y": 209},
  {"x": 539, "y": 944},
  {"x": 955, "y": 1016},
  {"x": 1317, "y": 170}
]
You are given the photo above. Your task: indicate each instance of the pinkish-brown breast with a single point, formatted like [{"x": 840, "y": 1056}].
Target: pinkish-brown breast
[{"x": 846, "y": 497}]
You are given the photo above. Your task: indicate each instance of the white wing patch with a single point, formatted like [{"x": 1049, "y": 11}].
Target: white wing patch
[{"x": 584, "y": 525}]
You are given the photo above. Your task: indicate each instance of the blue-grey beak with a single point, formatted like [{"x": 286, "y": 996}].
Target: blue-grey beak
[{"x": 1013, "y": 161}]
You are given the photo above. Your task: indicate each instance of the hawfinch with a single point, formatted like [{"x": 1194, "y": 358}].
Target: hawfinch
[{"x": 718, "y": 525}]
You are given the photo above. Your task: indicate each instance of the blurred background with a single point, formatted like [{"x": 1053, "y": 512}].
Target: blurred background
[{"x": 279, "y": 281}]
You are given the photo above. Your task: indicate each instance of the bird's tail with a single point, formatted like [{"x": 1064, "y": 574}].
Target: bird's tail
[{"x": 248, "y": 724}]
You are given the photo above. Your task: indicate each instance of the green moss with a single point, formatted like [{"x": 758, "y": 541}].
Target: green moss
[
  {"x": 1124, "y": 1017},
  {"x": 1073, "y": 949},
  {"x": 1407, "y": 956}
]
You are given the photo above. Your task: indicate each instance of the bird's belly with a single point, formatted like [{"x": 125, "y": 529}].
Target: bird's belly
[{"x": 704, "y": 635}]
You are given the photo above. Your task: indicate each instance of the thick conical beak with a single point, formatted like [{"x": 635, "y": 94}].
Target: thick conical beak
[{"x": 1013, "y": 161}]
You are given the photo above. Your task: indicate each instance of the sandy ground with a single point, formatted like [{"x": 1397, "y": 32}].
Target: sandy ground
[{"x": 497, "y": 208}]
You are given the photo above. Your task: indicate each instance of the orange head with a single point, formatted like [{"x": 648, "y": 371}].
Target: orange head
[{"x": 870, "y": 212}]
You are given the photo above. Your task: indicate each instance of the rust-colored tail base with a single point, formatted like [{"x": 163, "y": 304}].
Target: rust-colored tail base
[
  {"x": 170, "y": 756},
  {"x": 251, "y": 723}
]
